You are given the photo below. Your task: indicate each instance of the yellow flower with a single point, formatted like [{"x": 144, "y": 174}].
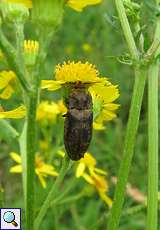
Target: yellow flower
[
  {"x": 7, "y": 81},
  {"x": 72, "y": 72},
  {"x": 78, "y": 5},
  {"x": 42, "y": 170},
  {"x": 103, "y": 98},
  {"x": 94, "y": 176},
  {"x": 47, "y": 111},
  {"x": 17, "y": 113}
]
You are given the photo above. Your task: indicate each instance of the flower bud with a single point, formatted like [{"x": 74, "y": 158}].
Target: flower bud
[
  {"x": 14, "y": 12},
  {"x": 47, "y": 13},
  {"x": 31, "y": 49}
]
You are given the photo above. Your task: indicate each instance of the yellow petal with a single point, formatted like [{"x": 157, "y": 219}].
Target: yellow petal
[
  {"x": 7, "y": 92},
  {"x": 51, "y": 85},
  {"x": 98, "y": 126},
  {"x": 100, "y": 171},
  {"x": 42, "y": 181},
  {"x": 48, "y": 170},
  {"x": 107, "y": 115},
  {"x": 111, "y": 106},
  {"x": 89, "y": 160},
  {"x": 78, "y": 5},
  {"x": 100, "y": 182},
  {"x": 6, "y": 77},
  {"x": 88, "y": 178},
  {"x": 17, "y": 113},
  {"x": 16, "y": 169},
  {"x": 80, "y": 169},
  {"x": 106, "y": 92},
  {"x": 106, "y": 199},
  {"x": 16, "y": 157}
]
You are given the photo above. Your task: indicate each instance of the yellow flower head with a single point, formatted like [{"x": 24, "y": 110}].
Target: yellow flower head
[
  {"x": 47, "y": 111},
  {"x": 73, "y": 73},
  {"x": 94, "y": 176},
  {"x": 102, "y": 91},
  {"x": 78, "y": 5},
  {"x": 7, "y": 81},
  {"x": 17, "y": 113},
  {"x": 42, "y": 170}
]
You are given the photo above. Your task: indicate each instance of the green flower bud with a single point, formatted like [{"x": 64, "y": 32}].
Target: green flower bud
[
  {"x": 47, "y": 13},
  {"x": 31, "y": 49},
  {"x": 14, "y": 12}
]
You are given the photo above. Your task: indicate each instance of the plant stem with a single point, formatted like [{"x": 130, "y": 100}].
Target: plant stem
[
  {"x": 31, "y": 144},
  {"x": 133, "y": 121},
  {"x": 126, "y": 29},
  {"x": 134, "y": 209},
  {"x": 52, "y": 193},
  {"x": 30, "y": 160},
  {"x": 19, "y": 28},
  {"x": 152, "y": 202},
  {"x": 130, "y": 137},
  {"x": 11, "y": 55}
]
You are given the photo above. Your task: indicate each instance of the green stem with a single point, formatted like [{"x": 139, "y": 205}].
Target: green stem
[
  {"x": 152, "y": 146},
  {"x": 129, "y": 142},
  {"x": 31, "y": 133},
  {"x": 52, "y": 193},
  {"x": 70, "y": 199},
  {"x": 133, "y": 210},
  {"x": 11, "y": 56},
  {"x": 133, "y": 121},
  {"x": 19, "y": 28},
  {"x": 126, "y": 29},
  {"x": 69, "y": 186},
  {"x": 30, "y": 160},
  {"x": 152, "y": 200}
]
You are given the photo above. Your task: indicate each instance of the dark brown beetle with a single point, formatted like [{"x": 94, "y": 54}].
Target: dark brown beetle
[{"x": 78, "y": 122}]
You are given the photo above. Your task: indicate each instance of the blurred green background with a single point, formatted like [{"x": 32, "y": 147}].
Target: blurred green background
[{"x": 95, "y": 35}]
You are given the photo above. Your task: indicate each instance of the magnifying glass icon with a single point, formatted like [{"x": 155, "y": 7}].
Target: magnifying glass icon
[{"x": 9, "y": 218}]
